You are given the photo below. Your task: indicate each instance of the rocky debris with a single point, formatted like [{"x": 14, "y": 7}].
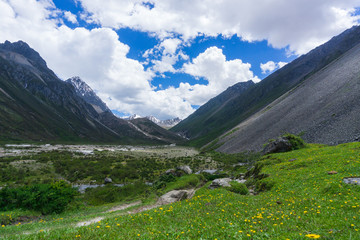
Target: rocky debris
[
  {"x": 240, "y": 180},
  {"x": 240, "y": 164},
  {"x": 170, "y": 171},
  {"x": 179, "y": 171},
  {"x": 332, "y": 172},
  {"x": 281, "y": 144},
  {"x": 209, "y": 171},
  {"x": 252, "y": 192},
  {"x": 352, "y": 180},
  {"x": 220, "y": 182},
  {"x": 185, "y": 168},
  {"x": 107, "y": 180},
  {"x": 225, "y": 182},
  {"x": 175, "y": 195}
]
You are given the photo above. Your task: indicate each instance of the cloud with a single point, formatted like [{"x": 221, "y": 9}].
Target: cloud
[
  {"x": 299, "y": 25},
  {"x": 70, "y": 17},
  {"x": 270, "y": 66},
  {"x": 165, "y": 55},
  {"x": 220, "y": 74},
  {"x": 101, "y": 60}
]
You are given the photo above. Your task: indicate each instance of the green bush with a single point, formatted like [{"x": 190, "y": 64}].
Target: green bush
[
  {"x": 264, "y": 185},
  {"x": 296, "y": 141},
  {"x": 239, "y": 188},
  {"x": 46, "y": 198},
  {"x": 186, "y": 181},
  {"x": 163, "y": 181},
  {"x": 110, "y": 193}
]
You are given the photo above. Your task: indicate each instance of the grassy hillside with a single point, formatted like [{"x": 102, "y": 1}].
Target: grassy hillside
[{"x": 302, "y": 201}]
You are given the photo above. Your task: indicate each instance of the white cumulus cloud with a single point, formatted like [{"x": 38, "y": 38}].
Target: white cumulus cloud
[
  {"x": 298, "y": 24},
  {"x": 220, "y": 74},
  {"x": 70, "y": 17},
  {"x": 270, "y": 66}
]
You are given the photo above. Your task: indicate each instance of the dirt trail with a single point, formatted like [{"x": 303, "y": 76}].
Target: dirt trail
[{"x": 97, "y": 219}]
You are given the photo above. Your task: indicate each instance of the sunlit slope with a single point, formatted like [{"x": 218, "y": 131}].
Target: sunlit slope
[{"x": 304, "y": 201}]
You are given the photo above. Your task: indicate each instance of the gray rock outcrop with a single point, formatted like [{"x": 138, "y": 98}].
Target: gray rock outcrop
[
  {"x": 352, "y": 180},
  {"x": 279, "y": 145},
  {"x": 220, "y": 182},
  {"x": 175, "y": 195}
]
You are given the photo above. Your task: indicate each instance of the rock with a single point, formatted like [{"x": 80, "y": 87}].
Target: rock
[
  {"x": 292, "y": 160},
  {"x": 352, "y": 180},
  {"x": 171, "y": 171},
  {"x": 107, "y": 180},
  {"x": 175, "y": 195},
  {"x": 209, "y": 171},
  {"x": 186, "y": 169},
  {"x": 279, "y": 145},
  {"x": 220, "y": 182},
  {"x": 332, "y": 172},
  {"x": 240, "y": 180}
]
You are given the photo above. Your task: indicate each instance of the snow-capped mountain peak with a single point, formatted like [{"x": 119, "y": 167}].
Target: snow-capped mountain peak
[
  {"x": 169, "y": 123},
  {"x": 84, "y": 91}
]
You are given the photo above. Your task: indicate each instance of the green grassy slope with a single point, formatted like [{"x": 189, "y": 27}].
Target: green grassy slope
[{"x": 304, "y": 202}]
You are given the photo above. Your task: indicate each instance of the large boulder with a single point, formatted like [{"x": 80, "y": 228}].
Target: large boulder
[
  {"x": 175, "y": 195},
  {"x": 285, "y": 143},
  {"x": 279, "y": 145},
  {"x": 220, "y": 182},
  {"x": 107, "y": 180}
]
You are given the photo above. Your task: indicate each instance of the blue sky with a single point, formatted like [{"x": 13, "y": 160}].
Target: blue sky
[{"x": 167, "y": 57}]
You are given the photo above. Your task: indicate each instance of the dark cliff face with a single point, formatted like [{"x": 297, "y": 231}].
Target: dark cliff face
[
  {"x": 36, "y": 105},
  {"x": 268, "y": 90},
  {"x": 86, "y": 93}
]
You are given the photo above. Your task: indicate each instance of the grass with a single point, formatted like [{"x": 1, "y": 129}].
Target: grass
[
  {"x": 305, "y": 202},
  {"x": 186, "y": 181}
]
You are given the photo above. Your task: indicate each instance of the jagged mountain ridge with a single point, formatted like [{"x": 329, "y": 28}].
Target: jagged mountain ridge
[
  {"x": 84, "y": 91},
  {"x": 168, "y": 123},
  {"x": 37, "y": 106},
  {"x": 268, "y": 90},
  {"x": 145, "y": 127}
]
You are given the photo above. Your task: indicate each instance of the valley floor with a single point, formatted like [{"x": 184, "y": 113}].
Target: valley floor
[{"x": 303, "y": 197}]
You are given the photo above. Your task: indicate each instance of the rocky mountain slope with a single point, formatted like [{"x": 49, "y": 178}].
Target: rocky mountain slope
[
  {"x": 323, "y": 109},
  {"x": 206, "y": 119},
  {"x": 37, "y": 106},
  {"x": 85, "y": 92},
  {"x": 268, "y": 90}
]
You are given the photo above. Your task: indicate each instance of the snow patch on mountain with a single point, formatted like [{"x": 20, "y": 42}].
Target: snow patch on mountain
[
  {"x": 169, "y": 123},
  {"x": 84, "y": 91}
]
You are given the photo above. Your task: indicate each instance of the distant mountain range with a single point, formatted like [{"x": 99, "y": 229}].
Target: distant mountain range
[
  {"x": 35, "y": 105},
  {"x": 167, "y": 124},
  {"x": 317, "y": 95}
]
